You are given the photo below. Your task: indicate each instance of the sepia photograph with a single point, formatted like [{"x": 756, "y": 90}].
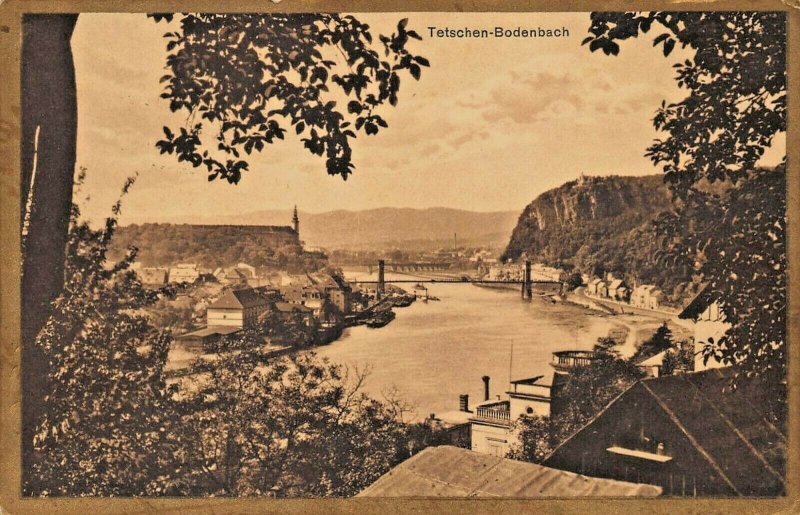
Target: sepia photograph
[{"x": 403, "y": 255}]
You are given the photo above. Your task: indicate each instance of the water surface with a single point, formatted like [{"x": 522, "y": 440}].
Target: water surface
[{"x": 434, "y": 351}]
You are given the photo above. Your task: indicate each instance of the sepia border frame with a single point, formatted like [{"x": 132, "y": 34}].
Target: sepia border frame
[{"x": 10, "y": 418}]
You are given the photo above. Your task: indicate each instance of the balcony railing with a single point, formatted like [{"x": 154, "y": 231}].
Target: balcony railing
[
  {"x": 573, "y": 358},
  {"x": 498, "y": 411}
]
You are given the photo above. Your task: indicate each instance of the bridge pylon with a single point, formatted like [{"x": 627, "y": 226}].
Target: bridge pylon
[
  {"x": 381, "y": 287},
  {"x": 527, "y": 287}
]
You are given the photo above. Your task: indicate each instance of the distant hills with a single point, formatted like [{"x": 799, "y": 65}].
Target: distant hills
[{"x": 385, "y": 228}]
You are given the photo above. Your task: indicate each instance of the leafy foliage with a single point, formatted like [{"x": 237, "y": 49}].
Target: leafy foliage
[
  {"x": 246, "y": 425},
  {"x": 533, "y": 439},
  {"x": 592, "y": 387},
  {"x": 736, "y": 78},
  {"x": 249, "y": 76},
  {"x": 106, "y": 418},
  {"x": 659, "y": 342},
  {"x": 297, "y": 426},
  {"x": 738, "y": 244},
  {"x": 736, "y": 105},
  {"x": 676, "y": 360}
]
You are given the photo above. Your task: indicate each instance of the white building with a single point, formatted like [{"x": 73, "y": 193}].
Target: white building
[
  {"x": 709, "y": 324},
  {"x": 646, "y": 296},
  {"x": 237, "y": 308},
  {"x": 492, "y": 425},
  {"x": 540, "y": 272},
  {"x": 184, "y": 273}
]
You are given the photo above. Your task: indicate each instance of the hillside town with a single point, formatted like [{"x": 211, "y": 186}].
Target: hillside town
[
  {"x": 313, "y": 308},
  {"x": 499, "y": 299}
]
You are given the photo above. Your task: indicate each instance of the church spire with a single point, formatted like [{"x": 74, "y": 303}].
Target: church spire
[{"x": 296, "y": 221}]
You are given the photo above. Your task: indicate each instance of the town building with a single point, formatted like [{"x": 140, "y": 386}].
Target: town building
[
  {"x": 618, "y": 290},
  {"x": 289, "y": 311},
  {"x": 447, "y": 471},
  {"x": 248, "y": 271},
  {"x": 199, "y": 340},
  {"x": 184, "y": 273},
  {"x": 492, "y": 425},
  {"x": 153, "y": 277},
  {"x": 336, "y": 290},
  {"x": 646, "y": 296},
  {"x": 709, "y": 324},
  {"x": 655, "y": 299},
  {"x": 237, "y": 308},
  {"x": 653, "y": 365},
  {"x": 597, "y": 287},
  {"x": 311, "y": 296},
  {"x": 540, "y": 272},
  {"x": 230, "y": 276},
  {"x": 690, "y": 434}
]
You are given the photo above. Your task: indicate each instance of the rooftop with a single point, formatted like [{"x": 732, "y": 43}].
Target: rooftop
[
  {"x": 207, "y": 331},
  {"x": 702, "y": 299},
  {"x": 288, "y": 307},
  {"x": 239, "y": 299},
  {"x": 529, "y": 381},
  {"x": 732, "y": 430},
  {"x": 447, "y": 471}
]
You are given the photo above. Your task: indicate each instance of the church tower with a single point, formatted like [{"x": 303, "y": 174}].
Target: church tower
[{"x": 296, "y": 222}]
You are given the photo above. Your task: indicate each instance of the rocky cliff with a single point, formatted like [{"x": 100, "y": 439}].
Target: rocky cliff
[{"x": 597, "y": 225}]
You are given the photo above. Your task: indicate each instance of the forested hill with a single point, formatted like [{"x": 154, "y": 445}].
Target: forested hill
[
  {"x": 382, "y": 228},
  {"x": 210, "y": 246},
  {"x": 597, "y": 225}
]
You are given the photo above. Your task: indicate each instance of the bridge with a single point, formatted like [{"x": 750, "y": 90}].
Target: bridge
[
  {"x": 414, "y": 267},
  {"x": 526, "y": 283}
]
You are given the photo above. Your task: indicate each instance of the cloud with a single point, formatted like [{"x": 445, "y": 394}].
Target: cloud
[{"x": 529, "y": 99}]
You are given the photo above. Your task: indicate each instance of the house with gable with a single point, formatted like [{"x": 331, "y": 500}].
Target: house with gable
[
  {"x": 690, "y": 434},
  {"x": 238, "y": 308},
  {"x": 708, "y": 323}
]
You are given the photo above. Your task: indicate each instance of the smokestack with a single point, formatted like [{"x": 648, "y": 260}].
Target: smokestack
[
  {"x": 463, "y": 402},
  {"x": 485, "y": 388}
]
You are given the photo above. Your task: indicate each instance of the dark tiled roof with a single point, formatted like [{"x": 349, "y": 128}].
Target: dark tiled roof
[
  {"x": 728, "y": 428},
  {"x": 702, "y": 299},
  {"x": 447, "y": 471},
  {"x": 239, "y": 299},
  {"x": 210, "y": 330},
  {"x": 288, "y": 307},
  {"x": 530, "y": 380}
]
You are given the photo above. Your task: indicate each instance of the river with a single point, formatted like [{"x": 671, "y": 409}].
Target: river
[{"x": 434, "y": 351}]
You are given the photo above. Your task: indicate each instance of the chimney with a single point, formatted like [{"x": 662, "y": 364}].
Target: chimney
[
  {"x": 485, "y": 388},
  {"x": 463, "y": 402}
]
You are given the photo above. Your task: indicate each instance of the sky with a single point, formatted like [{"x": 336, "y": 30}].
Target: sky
[{"x": 491, "y": 124}]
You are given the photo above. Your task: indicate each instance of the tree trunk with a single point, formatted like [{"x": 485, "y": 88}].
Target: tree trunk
[{"x": 49, "y": 104}]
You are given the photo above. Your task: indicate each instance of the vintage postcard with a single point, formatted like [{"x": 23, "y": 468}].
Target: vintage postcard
[{"x": 297, "y": 252}]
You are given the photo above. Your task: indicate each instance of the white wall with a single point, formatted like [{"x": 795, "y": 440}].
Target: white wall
[
  {"x": 491, "y": 440},
  {"x": 710, "y": 324},
  {"x": 226, "y": 317}
]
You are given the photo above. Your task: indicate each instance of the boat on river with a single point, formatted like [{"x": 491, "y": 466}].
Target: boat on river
[{"x": 380, "y": 319}]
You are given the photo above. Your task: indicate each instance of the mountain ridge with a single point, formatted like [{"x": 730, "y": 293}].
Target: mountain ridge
[{"x": 378, "y": 227}]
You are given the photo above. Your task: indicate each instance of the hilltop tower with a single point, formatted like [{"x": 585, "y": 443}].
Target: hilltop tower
[{"x": 296, "y": 222}]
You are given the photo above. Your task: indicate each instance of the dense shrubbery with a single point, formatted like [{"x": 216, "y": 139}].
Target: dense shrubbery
[
  {"x": 589, "y": 389},
  {"x": 111, "y": 424}
]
